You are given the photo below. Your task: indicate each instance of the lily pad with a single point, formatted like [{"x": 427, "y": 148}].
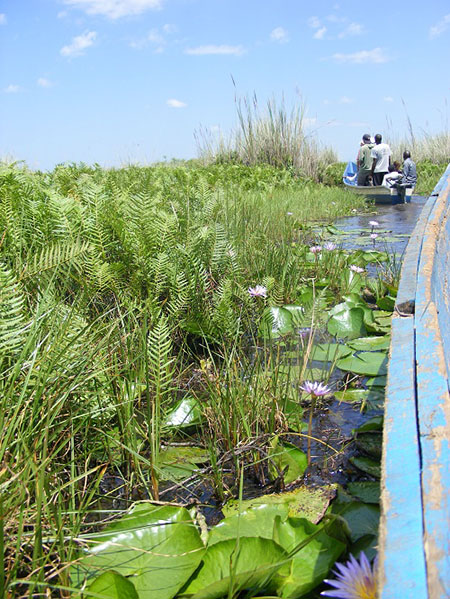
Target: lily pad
[
  {"x": 365, "y": 491},
  {"x": 372, "y": 343},
  {"x": 111, "y": 585},
  {"x": 286, "y": 458},
  {"x": 178, "y": 463},
  {"x": 371, "y": 396},
  {"x": 304, "y": 502},
  {"x": 348, "y": 323},
  {"x": 275, "y": 322},
  {"x": 329, "y": 352},
  {"x": 367, "y": 465},
  {"x": 244, "y": 563},
  {"x": 362, "y": 518},
  {"x": 140, "y": 545},
  {"x": 370, "y": 443},
  {"x": 368, "y": 363},
  {"x": 185, "y": 414}
]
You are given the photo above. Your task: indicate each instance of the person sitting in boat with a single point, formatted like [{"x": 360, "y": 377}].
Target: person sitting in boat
[
  {"x": 409, "y": 176},
  {"x": 363, "y": 161},
  {"x": 381, "y": 160},
  {"x": 393, "y": 175}
]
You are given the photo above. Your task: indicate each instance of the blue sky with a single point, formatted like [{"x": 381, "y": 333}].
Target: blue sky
[{"x": 118, "y": 81}]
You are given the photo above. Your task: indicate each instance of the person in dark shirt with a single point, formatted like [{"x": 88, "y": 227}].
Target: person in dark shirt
[
  {"x": 409, "y": 176},
  {"x": 364, "y": 161}
]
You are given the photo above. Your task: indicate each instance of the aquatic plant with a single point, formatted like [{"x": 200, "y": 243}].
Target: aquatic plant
[
  {"x": 314, "y": 389},
  {"x": 258, "y": 291},
  {"x": 354, "y": 580}
]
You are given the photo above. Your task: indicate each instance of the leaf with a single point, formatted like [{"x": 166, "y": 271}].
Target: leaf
[
  {"x": 374, "y": 424},
  {"x": 186, "y": 413},
  {"x": 141, "y": 544},
  {"x": 347, "y": 323},
  {"x": 297, "y": 313},
  {"x": 244, "y": 563},
  {"x": 370, "y": 443},
  {"x": 111, "y": 585},
  {"x": 362, "y": 518},
  {"x": 275, "y": 322},
  {"x": 359, "y": 395},
  {"x": 365, "y": 491},
  {"x": 311, "y": 564},
  {"x": 367, "y": 465},
  {"x": 386, "y": 303},
  {"x": 305, "y": 502},
  {"x": 329, "y": 352},
  {"x": 372, "y": 343},
  {"x": 368, "y": 363},
  {"x": 285, "y": 457},
  {"x": 178, "y": 463}
]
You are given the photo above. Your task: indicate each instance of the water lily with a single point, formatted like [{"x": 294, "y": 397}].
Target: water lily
[
  {"x": 354, "y": 580},
  {"x": 289, "y": 213},
  {"x": 373, "y": 235},
  {"x": 258, "y": 291},
  {"x": 315, "y": 249},
  {"x": 374, "y": 223},
  {"x": 357, "y": 269},
  {"x": 329, "y": 246},
  {"x": 315, "y": 388}
]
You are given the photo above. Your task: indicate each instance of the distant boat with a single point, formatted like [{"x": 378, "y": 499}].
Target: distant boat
[{"x": 380, "y": 194}]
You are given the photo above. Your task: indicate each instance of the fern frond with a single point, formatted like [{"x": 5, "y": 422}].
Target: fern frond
[{"x": 12, "y": 318}]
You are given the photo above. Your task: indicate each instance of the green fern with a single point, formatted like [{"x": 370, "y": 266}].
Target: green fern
[{"x": 12, "y": 317}]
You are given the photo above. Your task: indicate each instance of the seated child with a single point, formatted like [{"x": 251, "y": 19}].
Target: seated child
[{"x": 393, "y": 175}]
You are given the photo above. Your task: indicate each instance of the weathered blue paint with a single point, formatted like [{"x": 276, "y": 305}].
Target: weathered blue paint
[{"x": 414, "y": 530}]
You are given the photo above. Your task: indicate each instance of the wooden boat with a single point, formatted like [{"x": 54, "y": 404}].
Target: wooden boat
[
  {"x": 414, "y": 543},
  {"x": 380, "y": 194}
]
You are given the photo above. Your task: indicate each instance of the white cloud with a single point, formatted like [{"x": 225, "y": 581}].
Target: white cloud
[
  {"x": 388, "y": 99},
  {"x": 314, "y": 22},
  {"x": 170, "y": 28},
  {"x": 212, "y": 49},
  {"x": 352, "y": 29},
  {"x": 279, "y": 35},
  {"x": 155, "y": 37},
  {"x": 2, "y": 18},
  {"x": 363, "y": 56},
  {"x": 79, "y": 44},
  {"x": 346, "y": 100},
  {"x": 176, "y": 103},
  {"x": 43, "y": 82},
  {"x": 12, "y": 89},
  {"x": 115, "y": 9},
  {"x": 320, "y": 33},
  {"x": 440, "y": 27}
]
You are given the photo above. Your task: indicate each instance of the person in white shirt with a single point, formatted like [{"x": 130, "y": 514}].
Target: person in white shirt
[
  {"x": 381, "y": 160},
  {"x": 393, "y": 175}
]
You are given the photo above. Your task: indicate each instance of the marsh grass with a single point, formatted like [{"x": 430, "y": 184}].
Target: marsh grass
[{"x": 271, "y": 134}]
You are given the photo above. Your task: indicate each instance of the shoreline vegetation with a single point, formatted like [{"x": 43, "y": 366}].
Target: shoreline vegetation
[{"x": 175, "y": 341}]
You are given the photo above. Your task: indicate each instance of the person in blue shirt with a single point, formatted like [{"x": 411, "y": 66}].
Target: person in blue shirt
[{"x": 409, "y": 176}]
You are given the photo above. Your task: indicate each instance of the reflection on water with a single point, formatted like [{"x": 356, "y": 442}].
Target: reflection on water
[{"x": 394, "y": 222}]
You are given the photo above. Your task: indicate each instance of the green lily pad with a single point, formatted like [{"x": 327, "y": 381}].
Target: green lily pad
[
  {"x": 368, "y": 363},
  {"x": 304, "y": 502},
  {"x": 275, "y": 322},
  {"x": 347, "y": 323},
  {"x": 244, "y": 563},
  {"x": 329, "y": 352},
  {"x": 372, "y": 396},
  {"x": 286, "y": 458},
  {"x": 386, "y": 303},
  {"x": 362, "y": 518},
  {"x": 111, "y": 585},
  {"x": 365, "y": 491},
  {"x": 140, "y": 545},
  {"x": 376, "y": 381},
  {"x": 370, "y": 443},
  {"x": 368, "y": 465},
  {"x": 312, "y": 563},
  {"x": 374, "y": 424},
  {"x": 185, "y": 414},
  {"x": 178, "y": 463},
  {"x": 372, "y": 343}
]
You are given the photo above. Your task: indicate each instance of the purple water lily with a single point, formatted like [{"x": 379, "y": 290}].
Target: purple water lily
[
  {"x": 258, "y": 291},
  {"x": 354, "y": 580},
  {"x": 355, "y": 268},
  {"x": 316, "y": 389},
  {"x": 329, "y": 246},
  {"x": 315, "y": 249}
]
